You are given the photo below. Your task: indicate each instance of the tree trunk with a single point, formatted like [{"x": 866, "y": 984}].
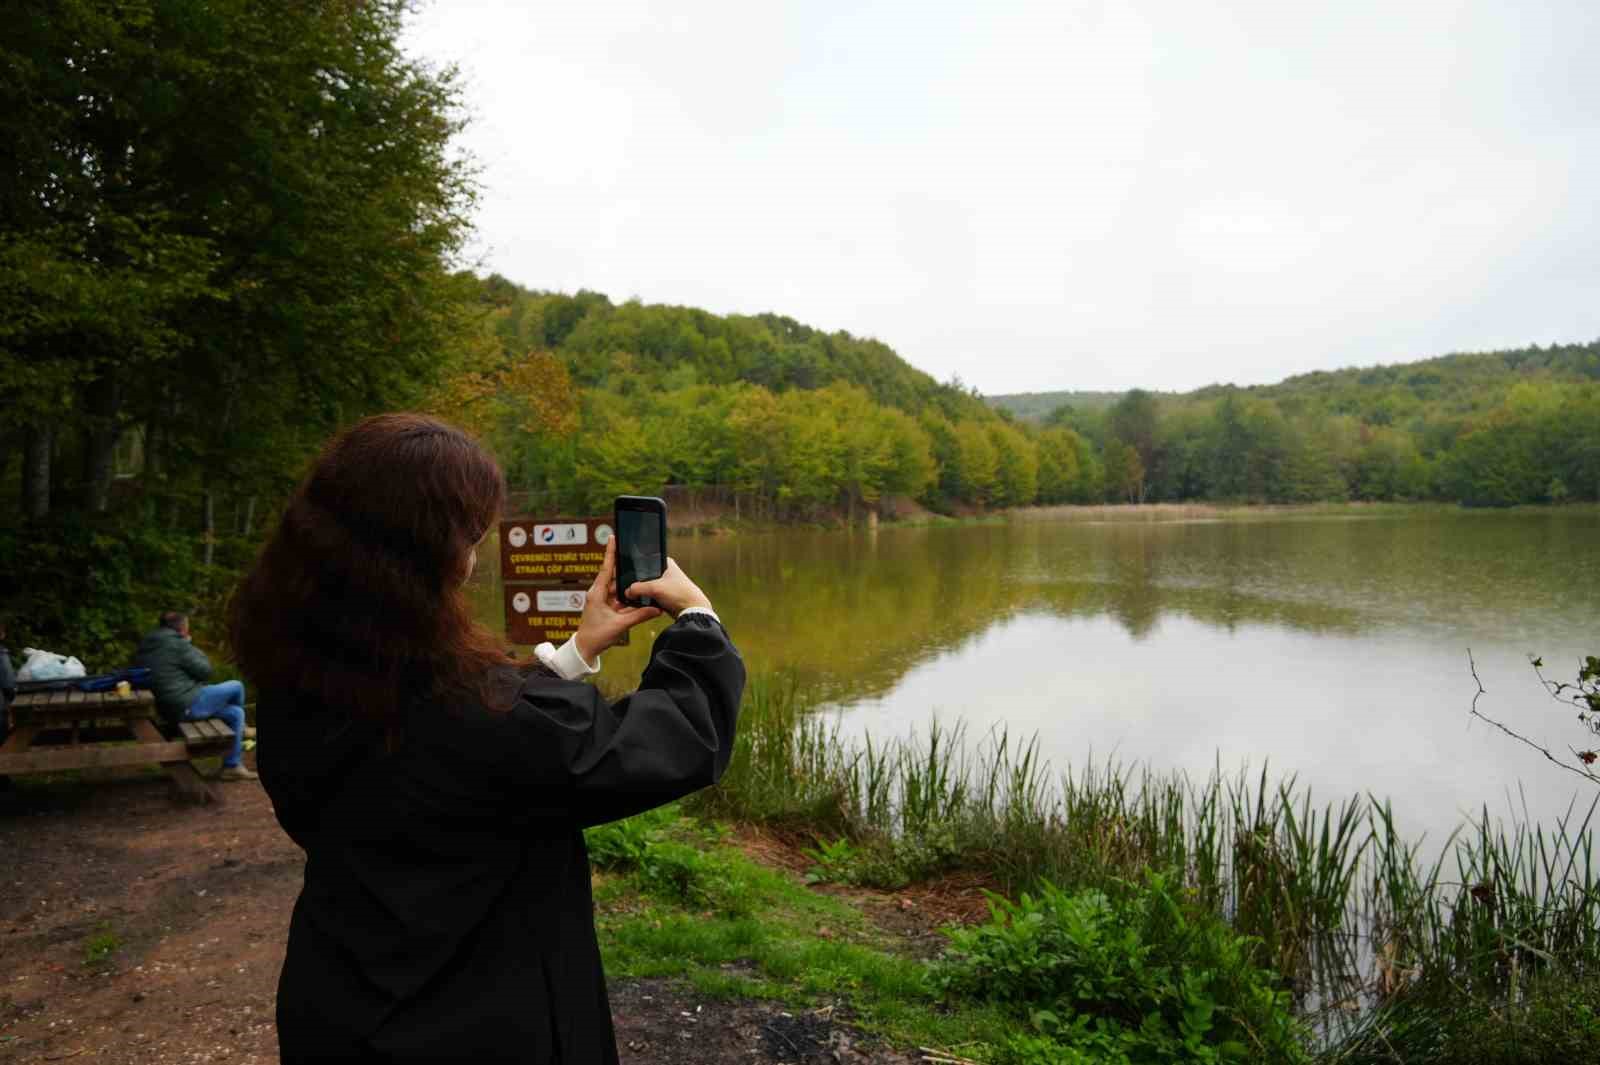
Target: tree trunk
[
  {"x": 210, "y": 527},
  {"x": 249, "y": 516},
  {"x": 36, "y": 452},
  {"x": 99, "y": 453},
  {"x": 152, "y": 448},
  {"x": 100, "y": 444}
]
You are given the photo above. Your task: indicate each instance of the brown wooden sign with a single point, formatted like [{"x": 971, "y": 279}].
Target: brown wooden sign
[
  {"x": 535, "y": 614},
  {"x": 552, "y": 550},
  {"x": 546, "y": 567}
]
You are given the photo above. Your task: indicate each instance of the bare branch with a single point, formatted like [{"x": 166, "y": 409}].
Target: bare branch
[{"x": 1480, "y": 715}]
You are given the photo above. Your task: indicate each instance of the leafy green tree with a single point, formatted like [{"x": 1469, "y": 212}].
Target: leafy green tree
[
  {"x": 912, "y": 469},
  {"x": 225, "y": 229},
  {"x": 977, "y": 463},
  {"x": 1135, "y": 421},
  {"x": 1016, "y": 466},
  {"x": 1060, "y": 472},
  {"x": 1183, "y": 447},
  {"x": 1124, "y": 473},
  {"x": 946, "y": 456},
  {"x": 1311, "y": 466},
  {"x": 618, "y": 453},
  {"x": 1388, "y": 467},
  {"x": 753, "y": 419},
  {"x": 1495, "y": 465}
]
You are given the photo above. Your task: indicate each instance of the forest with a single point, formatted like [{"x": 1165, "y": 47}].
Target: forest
[
  {"x": 583, "y": 398},
  {"x": 225, "y": 231}
]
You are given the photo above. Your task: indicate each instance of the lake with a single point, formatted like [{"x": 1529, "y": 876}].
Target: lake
[{"x": 1332, "y": 646}]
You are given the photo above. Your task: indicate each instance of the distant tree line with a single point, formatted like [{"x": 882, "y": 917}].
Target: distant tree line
[
  {"x": 584, "y": 398},
  {"x": 1484, "y": 430}
]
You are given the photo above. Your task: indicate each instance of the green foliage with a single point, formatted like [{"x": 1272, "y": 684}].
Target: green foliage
[
  {"x": 662, "y": 866},
  {"x": 682, "y": 874},
  {"x": 1552, "y": 1018},
  {"x": 1133, "y": 976},
  {"x": 621, "y": 845},
  {"x": 890, "y": 861},
  {"x": 834, "y": 862},
  {"x": 225, "y": 230},
  {"x": 99, "y": 948},
  {"x": 95, "y": 583},
  {"x": 1494, "y": 429},
  {"x": 1133, "y": 420},
  {"x": 792, "y": 423}
]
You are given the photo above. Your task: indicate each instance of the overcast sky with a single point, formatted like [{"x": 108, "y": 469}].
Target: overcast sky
[{"x": 1053, "y": 195}]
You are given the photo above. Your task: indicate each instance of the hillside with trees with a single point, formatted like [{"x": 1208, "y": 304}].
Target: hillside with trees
[{"x": 583, "y": 398}]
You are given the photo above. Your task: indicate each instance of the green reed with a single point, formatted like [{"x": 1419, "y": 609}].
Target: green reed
[{"x": 1346, "y": 910}]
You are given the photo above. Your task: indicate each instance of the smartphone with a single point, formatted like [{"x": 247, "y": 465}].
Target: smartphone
[{"x": 641, "y": 524}]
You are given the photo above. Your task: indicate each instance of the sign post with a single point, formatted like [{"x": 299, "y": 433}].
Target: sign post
[{"x": 546, "y": 567}]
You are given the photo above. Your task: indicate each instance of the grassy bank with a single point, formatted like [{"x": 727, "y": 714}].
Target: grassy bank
[
  {"x": 675, "y": 897},
  {"x": 1370, "y": 941}
]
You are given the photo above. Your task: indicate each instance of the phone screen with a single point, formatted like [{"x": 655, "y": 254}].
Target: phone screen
[{"x": 638, "y": 548}]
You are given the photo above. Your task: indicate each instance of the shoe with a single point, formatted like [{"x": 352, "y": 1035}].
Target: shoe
[{"x": 236, "y": 772}]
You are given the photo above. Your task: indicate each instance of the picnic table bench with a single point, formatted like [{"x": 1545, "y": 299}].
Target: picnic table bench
[{"x": 71, "y": 729}]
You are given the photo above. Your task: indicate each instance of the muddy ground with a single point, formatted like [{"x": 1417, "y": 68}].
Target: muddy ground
[{"x": 134, "y": 929}]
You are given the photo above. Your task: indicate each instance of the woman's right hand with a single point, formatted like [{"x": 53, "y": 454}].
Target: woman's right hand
[{"x": 673, "y": 591}]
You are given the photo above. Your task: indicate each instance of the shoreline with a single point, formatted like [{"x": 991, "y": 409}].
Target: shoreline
[{"x": 1122, "y": 513}]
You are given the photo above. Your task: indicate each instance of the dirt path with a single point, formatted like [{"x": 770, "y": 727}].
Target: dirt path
[{"x": 136, "y": 930}]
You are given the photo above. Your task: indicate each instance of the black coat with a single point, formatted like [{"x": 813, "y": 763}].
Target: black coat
[{"x": 446, "y": 913}]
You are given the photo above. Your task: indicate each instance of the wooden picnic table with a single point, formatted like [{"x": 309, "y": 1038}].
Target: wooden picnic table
[{"x": 71, "y": 729}]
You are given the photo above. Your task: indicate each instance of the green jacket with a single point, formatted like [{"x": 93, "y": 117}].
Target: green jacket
[{"x": 178, "y": 670}]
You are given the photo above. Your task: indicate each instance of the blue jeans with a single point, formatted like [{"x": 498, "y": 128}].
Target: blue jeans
[{"x": 224, "y": 701}]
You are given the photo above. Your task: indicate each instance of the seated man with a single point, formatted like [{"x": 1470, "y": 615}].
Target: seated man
[{"x": 177, "y": 668}]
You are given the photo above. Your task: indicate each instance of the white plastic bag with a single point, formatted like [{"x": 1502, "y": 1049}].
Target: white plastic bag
[{"x": 47, "y": 665}]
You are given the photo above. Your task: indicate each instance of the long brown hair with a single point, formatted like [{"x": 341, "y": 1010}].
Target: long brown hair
[{"x": 356, "y": 600}]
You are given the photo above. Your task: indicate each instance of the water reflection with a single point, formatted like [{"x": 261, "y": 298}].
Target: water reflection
[
  {"x": 856, "y": 611},
  {"x": 1335, "y": 647}
]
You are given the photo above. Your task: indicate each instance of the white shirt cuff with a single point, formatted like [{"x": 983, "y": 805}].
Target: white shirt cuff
[
  {"x": 565, "y": 661},
  {"x": 707, "y": 611}
]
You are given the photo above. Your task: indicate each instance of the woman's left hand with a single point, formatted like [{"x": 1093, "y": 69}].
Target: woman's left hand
[{"x": 605, "y": 617}]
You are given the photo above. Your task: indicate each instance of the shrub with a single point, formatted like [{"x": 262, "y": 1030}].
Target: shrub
[
  {"x": 1135, "y": 976},
  {"x": 889, "y": 862},
  {"x": 92, "y": 587},
  {"x": 661, "y": 866},
  {"x": 621, "y": 845},
  {"x": 832, "y": 862}
]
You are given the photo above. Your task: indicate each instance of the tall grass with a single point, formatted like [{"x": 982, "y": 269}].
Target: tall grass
[{"x": 1347, "y": 911}]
